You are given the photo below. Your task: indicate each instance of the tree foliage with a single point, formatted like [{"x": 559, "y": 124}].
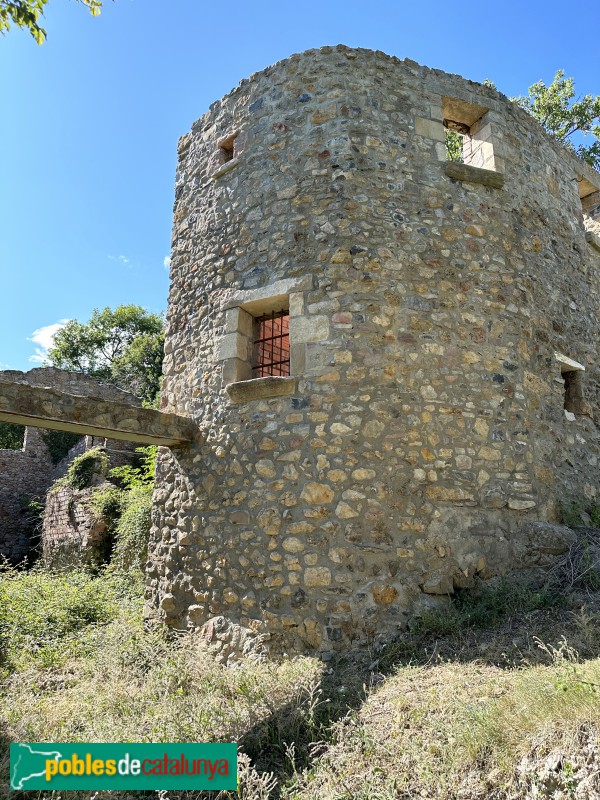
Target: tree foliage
[
  {"x": 454, "y": 146},
  {"x": 59, "y": 443},
  {"x": 557, "y": 111},
  {"x": 26, "y": 14},
  {"x": 123, "y": 347},
  {"x": 11, "y": 436},
  {"x": 563, "y": 116}
]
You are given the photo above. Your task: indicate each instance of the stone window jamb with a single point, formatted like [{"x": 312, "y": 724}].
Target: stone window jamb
[
  {"x": 571, "y": 372},
  {"x": 228, "y": 153},
  {"x": 236, "y": 347},
  {"x": 481, "y": 149}
]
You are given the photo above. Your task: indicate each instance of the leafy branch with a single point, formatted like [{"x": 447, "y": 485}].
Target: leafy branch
[{"x": 27, "y": 13}]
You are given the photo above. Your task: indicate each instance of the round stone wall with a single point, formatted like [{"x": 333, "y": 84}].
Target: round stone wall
[{"x": 434, "y": 309}]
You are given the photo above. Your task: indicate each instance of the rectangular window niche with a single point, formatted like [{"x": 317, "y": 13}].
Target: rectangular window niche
[
  {"x": 571, "y": 372},
  {"x": 472, "y": 149},
  {"x": 263, "y": 347},
  {"x": 228, "y": 153}
]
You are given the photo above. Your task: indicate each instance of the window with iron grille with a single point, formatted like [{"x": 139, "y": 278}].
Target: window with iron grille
[{"x": 272, "y": 344}]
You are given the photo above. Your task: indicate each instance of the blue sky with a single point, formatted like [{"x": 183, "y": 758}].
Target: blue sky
[{"x": 90, "y": 122}]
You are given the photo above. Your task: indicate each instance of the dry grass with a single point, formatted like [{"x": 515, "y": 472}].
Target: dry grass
[
  {"x": 452, "y": 730},
  {"x": 504, "y": 713},
  {"x": 94, "y": 677}
]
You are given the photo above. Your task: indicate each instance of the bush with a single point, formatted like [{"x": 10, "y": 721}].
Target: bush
[
  {"x": 59, "y": 443},
  {"x": 82, "y": 469},
  {"x": 44, "y": 615},
  {"x": 106, "y": 503},
  {"x": 11, "y": 436},
  {"x": 130, "y": 550},
  {"x": 576, "y": 513},
  {"x": 570, "y": 513},
  {"x": 143, "y": 475}
]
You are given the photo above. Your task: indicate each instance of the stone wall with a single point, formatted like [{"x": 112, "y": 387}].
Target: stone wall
[
  {"x": 28, "y": 473},
  {"x": 92, "y": 409},
  {"x": 74, "y": 534},
  {"x": 73, "y": 383},
  {"x": 434, "y": 311},
  {"x": 24, "y": 475}
]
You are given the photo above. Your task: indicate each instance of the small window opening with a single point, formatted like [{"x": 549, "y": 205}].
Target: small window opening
[
  {"x": 574, "y": 398},
  {"x": 227, "y": 148},
  {"x": 272, "y": 344},
  {"x": 590, "y": 205},
  {"x": 455, "y": 135},
  {"x": 468, "y": 134}
]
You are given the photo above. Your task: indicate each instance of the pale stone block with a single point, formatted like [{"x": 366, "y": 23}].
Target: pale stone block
[
  {"x": 293, "y": 545},
  {"x": 435, "y": 108},
  {"x": 266, "y": 298},
  {"x": 345, "y": 511},
  {"x": 225, "y": 168},
  {"x": 317, "y": 493},
  {"x": 309, "y": 329},
  {"x": 517, "y": 504},
  {"x": 296, "y": 304},
  {"x": 232, "y": 345},
  {"x": 258, "y": 388},
  {"x": 234, "y": 369},
  {"x": 297, "y": 358},
  {"x": 317, "y": 576},
  {"x": 470, "y": 174},
  {"x": 431, "y": 128},
  {"x": 245, "y": 323},
  {"x": 231, "y": 320}
]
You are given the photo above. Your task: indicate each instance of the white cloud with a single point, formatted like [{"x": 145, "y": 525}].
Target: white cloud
[
  {"x": 44, "y": 337},
  {"x": 123, "y": 259},
  {"x": 167, "y": 262}
]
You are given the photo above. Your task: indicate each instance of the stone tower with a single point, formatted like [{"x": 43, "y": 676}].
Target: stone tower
[{"x": 437, "y": 388}]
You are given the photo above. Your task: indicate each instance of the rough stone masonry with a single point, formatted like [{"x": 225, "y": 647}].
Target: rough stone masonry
[{"x": 443, "y": 345}]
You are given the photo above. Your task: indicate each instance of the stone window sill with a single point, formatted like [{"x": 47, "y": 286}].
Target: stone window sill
[
  {"x": 225, "y": 168},
  {"x": 259, "y": 388},
  {"x": 593, "y": 239},
  {"x": 469, "y": 174}
]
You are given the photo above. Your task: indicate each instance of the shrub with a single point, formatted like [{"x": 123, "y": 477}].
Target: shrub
[
  {"x": 106, "y": 503},
  {"x": 130, "y": 550},
  {"x": 82, "y": 469},
  {"x": 59, "y": 443},
  {"x": 570, "y": 513},
  {"x": 11, "y": 436},
  {"x": 485, "y": 607},
  {"x": 44, "y": 615},
  {"x": 143, "y": 475},
  {"x": 576, "y": 512}
]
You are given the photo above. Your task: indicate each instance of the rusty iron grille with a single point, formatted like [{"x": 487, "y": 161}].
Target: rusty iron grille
[{"x": 272, "y": 344}]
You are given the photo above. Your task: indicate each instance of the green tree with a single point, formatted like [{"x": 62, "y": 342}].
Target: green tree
[
  {"x": 11, "y": 436},
  {"x": 124, "y": 347},
  {"x": 26, "y": 14},
  {"x": 562, "y": 116}
]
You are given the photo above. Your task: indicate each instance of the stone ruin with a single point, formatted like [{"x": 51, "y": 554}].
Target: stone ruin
[
  {"x": 389, "y": 359},
  {"x": 28, "y": 473}
]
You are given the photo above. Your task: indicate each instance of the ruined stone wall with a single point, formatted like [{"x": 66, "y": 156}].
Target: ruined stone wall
[
  {"x": 28, "y": 473},
  {"x": 423, "y": 423},
  {"x": 74, "y": 533},
  {"x": 74, "y": 383},
  {"x": 24, "y": 476}
]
